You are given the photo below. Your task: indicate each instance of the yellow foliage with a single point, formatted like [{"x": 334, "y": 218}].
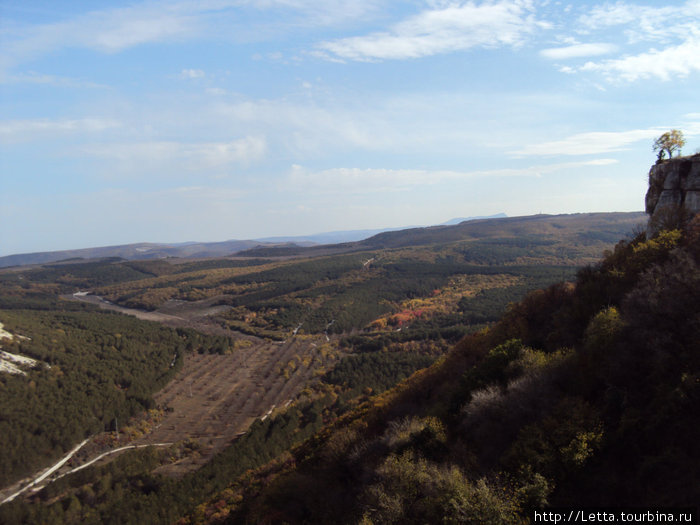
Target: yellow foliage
[
  {"x": 603, "y": 329},
  {"x": 664, "y": 241}
]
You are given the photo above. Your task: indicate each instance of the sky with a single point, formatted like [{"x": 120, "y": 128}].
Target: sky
[{"x": 208, "y": 120}]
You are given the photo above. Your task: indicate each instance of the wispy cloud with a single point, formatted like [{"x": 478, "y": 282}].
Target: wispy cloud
[
  {"x": 671, "y": 62},
  {"x": 671, "y": 31},
  {"x": 307, "y": 128},
  {"x": 192, "y": 73},
  {"x": 373, "y": 180},
  {"x": 163, "y": 156},
  {"x": 443, "y": 29},
  {"x": 113, "y": 30},
  {"x": 593, "y": 143},
  {"x": 108, "y": 30},
  {"x": 578, "y": 51},
  {"x": 49, "y": 80},
  {"x": 642, "y": 22},
  {"x": 27, "y": 130},
  {"x": 690, "y": 124},
  {"x": 319, "y": 12}
]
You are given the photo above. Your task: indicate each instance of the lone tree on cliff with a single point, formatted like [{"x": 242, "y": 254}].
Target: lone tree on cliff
[{"x": 669, "y": 142}]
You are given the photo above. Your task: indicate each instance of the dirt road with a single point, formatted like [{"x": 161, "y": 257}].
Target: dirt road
[
  {"x": 106, "y": 305},
  {"x": 42, "y": 476}
]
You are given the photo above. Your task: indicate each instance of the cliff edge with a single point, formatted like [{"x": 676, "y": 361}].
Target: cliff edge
[{"x": 673, "y": 197}]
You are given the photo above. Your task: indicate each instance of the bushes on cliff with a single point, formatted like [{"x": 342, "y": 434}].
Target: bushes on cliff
[
  {"x": 584, "y": 395},
  {"x": 410, "y": 489}
]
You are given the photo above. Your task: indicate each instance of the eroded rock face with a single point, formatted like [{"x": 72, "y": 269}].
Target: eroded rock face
[{"x": 674, "y": 192}]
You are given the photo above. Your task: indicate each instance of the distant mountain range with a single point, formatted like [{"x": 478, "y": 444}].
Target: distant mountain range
[
  {"x": 140, "y": 251},
  {"x": 137, "y": 251},
  {"x": 585, "y": 229},
  {"x": 359, "y": 235}
]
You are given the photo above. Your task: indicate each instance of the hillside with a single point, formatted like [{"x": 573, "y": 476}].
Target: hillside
[
  {"x": 194, "y": 250},
  {"x": 581, "y": 228},
  {"x": 612, "y": 226},
  {"x": 581, "y": 395},
  {"x": 139, "y": 251},
  {"x": 572, "y": 229},
  {"x": 311, "y": 346}
]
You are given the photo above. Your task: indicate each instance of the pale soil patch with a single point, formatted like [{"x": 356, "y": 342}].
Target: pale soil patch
[
  {"x": 4, "y": 334},
  {"x": 106, "y": 305},
  {"x": 10, "y": 368},
  {"x": 19, "y": 359},
  {"x": 12, "y": 363},
  {"x": 215, "y": 398},
  {"x": 174, "y": 312}
]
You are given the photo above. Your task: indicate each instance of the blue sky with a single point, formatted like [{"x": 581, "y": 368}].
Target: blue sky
[{"x": 209, "y": 120}]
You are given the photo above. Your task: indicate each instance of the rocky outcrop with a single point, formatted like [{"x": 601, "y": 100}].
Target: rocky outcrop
[{"x": 673, "y": 197}]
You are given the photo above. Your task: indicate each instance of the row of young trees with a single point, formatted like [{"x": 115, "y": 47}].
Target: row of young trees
[{"x": 101, "y": 367}]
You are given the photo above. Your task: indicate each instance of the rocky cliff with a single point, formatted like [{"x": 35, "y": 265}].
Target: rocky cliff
[{"x": 673, "y": 197}]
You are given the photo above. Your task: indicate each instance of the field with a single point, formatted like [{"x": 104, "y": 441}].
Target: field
[{"x": 216, "y": 397}]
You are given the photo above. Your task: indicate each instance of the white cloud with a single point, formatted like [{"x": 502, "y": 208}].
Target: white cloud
[
  {"x": 313, "y": 12},
  {"x": 373, "y": 180},
  {"x": 608, "y": 15},
  {"x": 309, "y": 129},
  {"x": 27, "y": 130},
  {"x": 593, "y": 143},
  {"x": 672, "y": 30},
  {"x": 644, "y": 23},
  {"x": 578, "y": 51},
  {"x": 108, "y": 30},
  {"x": 113, "y": 30},
  {"x": 392, "y": 124},
  {"x": 192, "y": 73},
  {"x": 172, "y": 157},
  {"x": 674, "y": 61},
  {"x": 445, "y": 28},
  {"x": 690, "y": 124},
  {"x": 49, "y": 80}
]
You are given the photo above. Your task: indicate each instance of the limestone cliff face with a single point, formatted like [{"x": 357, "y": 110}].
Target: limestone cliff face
[{"x": 674, "y": 192}]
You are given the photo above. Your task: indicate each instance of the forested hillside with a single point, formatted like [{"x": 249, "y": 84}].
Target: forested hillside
[
  {"x": 97, "y": 369},
  {"x": 583, "y": 394},
  {"x": 532, "y": 409}
]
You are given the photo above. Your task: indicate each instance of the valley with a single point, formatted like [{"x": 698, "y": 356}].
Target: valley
[
  {"x": 349, "y": 263},
  {"x": 213, "y": 399},
  {"x": 174, "y": 368}
]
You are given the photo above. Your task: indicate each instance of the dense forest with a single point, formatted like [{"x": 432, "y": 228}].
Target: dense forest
[
  {"x": 98, "y": 368},
  {"x": 583, "y": 394},
  {"x": 270, "y": 296},
  {"x": 535, "y": 394}
]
